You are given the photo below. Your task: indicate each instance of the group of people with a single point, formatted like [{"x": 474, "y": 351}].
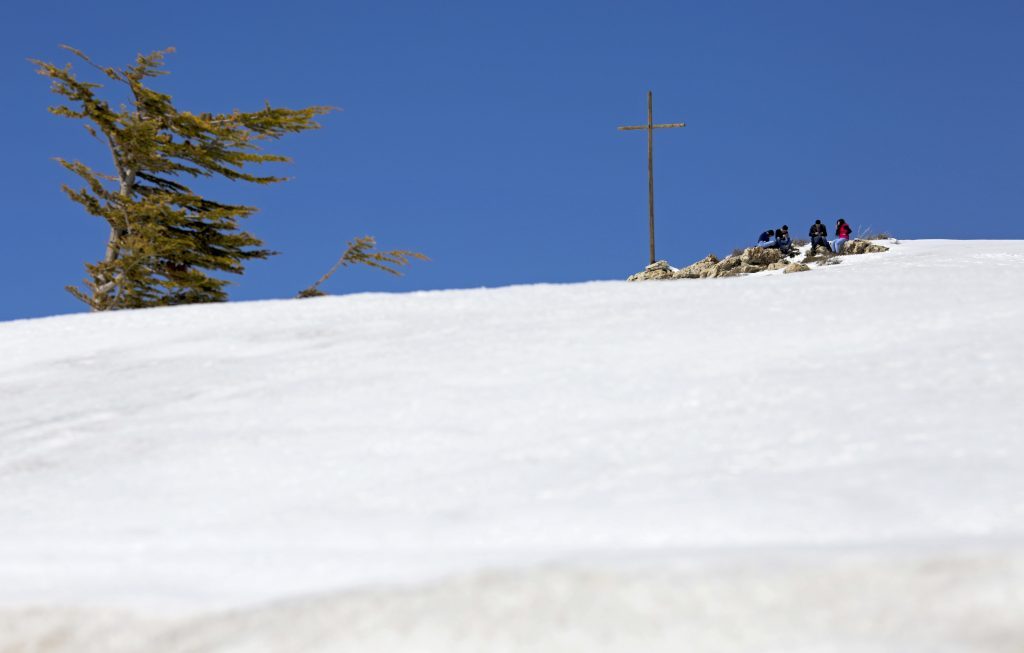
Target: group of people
[{"x": 779, "y": 238}]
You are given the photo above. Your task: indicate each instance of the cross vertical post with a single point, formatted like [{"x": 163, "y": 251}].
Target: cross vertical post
[
  {"x": 650, "y": 167},
  {"x": 650, "y": 127}
]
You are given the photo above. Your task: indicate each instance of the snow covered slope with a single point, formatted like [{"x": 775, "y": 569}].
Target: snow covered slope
[{"x": 825, "y": 461}]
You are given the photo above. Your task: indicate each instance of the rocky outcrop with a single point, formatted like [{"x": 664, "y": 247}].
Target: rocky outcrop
[
  {"x": 699, "y": 269},
  {"x": 862, "y": 247},
  {"x": 656, "y": 271},
  {"x": 751, "y": 261},
  {"x": 819, "y": 256},
  {"x": 760, "y": 256},
  {"x": 742, "y": 268}
]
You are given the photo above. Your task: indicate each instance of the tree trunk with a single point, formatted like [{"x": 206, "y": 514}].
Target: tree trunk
[{"x": 117, "y": 233}]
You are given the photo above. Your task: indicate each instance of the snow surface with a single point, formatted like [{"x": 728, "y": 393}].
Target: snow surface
[{"x": 824, "y": 461}]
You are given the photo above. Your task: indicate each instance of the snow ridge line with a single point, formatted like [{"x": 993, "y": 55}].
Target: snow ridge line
[{"x": 862, "y": 602}]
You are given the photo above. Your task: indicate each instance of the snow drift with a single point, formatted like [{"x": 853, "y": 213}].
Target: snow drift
[{"x": 824, "y": 461}]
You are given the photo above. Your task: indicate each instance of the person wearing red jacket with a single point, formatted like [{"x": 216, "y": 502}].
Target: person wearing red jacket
[{"x": 843, "y": 232}]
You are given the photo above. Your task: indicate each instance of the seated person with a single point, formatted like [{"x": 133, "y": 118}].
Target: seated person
[
  {"x": 766, "y": 237},
  {"x": 819, "y": 236},
  {"x": 784, "y": 242},
  {"x": 843, "y": 232}
]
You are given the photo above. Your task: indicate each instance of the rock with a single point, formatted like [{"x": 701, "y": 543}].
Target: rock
[
  {"x": 795, "y": 267},
  {"x": 761, "y": 256},
  {"x": 728, "y": 263},
  {"x": 711, "y": 273},
  {"x": 653, "y": 272},
  {"x": 750, "y": 261},
  {"x": 698, "y": 269},
  {"x": 862, "y": 247},
  {"x": 743, "y": 268},
  {"x": 778, "y": 265}
]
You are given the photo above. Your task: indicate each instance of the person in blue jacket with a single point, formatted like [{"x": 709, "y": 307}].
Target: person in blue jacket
[{"x": 766, "y": 239}]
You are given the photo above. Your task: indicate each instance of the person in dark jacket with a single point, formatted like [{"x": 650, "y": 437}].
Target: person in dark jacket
[
  {"x": 765, "y": 237},
  {"x": 783, "y": 241},
  {"x": 819, "y": 236},
  {"x": 843, "y": 232}
]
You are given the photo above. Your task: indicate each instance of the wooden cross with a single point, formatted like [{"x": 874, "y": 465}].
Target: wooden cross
[{"x": 650, "y": 127}]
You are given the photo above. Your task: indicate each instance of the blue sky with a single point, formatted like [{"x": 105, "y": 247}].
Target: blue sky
[{"x": 484, "y": 134}]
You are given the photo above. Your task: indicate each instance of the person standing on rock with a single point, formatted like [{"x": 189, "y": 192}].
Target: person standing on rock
[
  {"x": 819, "y": 236},
  {"x": 843, "y": 232}
]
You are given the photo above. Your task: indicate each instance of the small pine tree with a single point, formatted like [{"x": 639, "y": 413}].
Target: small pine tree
[
  {"x": 165, "y": 239},
  {"x": 361, "y": 251}
]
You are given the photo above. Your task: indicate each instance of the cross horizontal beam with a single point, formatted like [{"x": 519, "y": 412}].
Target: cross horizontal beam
[{"x": 671, "y": 124}]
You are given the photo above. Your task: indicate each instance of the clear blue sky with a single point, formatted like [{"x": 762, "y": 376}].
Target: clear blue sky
[{"x": 484, "y": 134}]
